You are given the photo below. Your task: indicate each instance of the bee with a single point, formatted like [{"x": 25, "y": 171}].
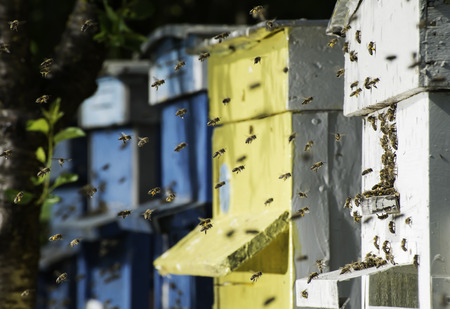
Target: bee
[
  {"x": 219, "y": 153},
  {"x": 181, "y": 112},
  {"x": 292, "y": 137},
  {"x": 382, "y": 217},
  {"x": 257, "y": 12},
  {"x": 157, "y": 83},
  {"x": 170, "y": 197},
  {"x": 367, "y": 83},
  {"x": 367, "y": 171},
  {"x": 300, "y": 213},
  {"x": 403, "y": 244},
  {"x": 4, "y": 48},
  {"x": 373, "y": 121},
  {"x": 321, "y": 264},
  {"x": 250, "y": 139},
  {"x": 345, "y": 269},
  {"x": 358, "y": 197},
  {"x": 180, "y": 146},
  {"x": 374, "y": 82},
  {"x": 416, "y": 260},
  {"x": 311, "y": 276},
  {"x": 375, "y": 242},
  {"x": 356, "y": 217},
  {"x": 408, "y": 221},
  {"x": 307, "y": 100},
  {"x": 203, "y": 56},
  {"x": 354, "y": 84},
  {"x": 221, "y": 36},
  {"x": 315, "y": 167},
  {"x": 358, "y": 36},
  {"x": 6, "y": 153},
  {"x": 43, "y": 99},
  {"x": 148, "y": 214},
  {"x": 238, "y": 169},
  {"x": 332, "y": 43},
  {"x": 255, "y": 276},
  {"x": 356, "y": 92},
  {"x": 285, "y": 176},
  {"x": 124, "y": 138},
  {"x": 88, "y": 190},
  {"x": 142, "y": 141},
  {"x": 75, "y": 242},
  {"x": 213, "y": 122},
  {"x": 14, "y": 24},
  {"x": 390, "y": 57},
  {"x": 203, "y": 221},
  {"x": 179, "y": 65},
  {"x": 309, "y": 145},
  {"x": 337, "y": 136},
  {"x": 226, "y": 101},
  {"x": 88, "y": 24},
  {"x": 61, "y": 161},
  {"x": 257, "y": 60},
  {"x": 26, "y": 292},
  {"x": 124, "y": 213},
  {"x": 251, "y": 231},
  {"x": 348, "y": 202},
  {"x": 55, "y": 237},
  {"x": 206, "y": 227},
  {"x": 340, "y": 72},
  {"x": 302, "y": 194},
  {"x": 353, "y": 56},
  {"x": 372, "y": 48},
  {"x": 386, "y": 247},
  {"x": 241, "y": 159},
  {"x": 269, "y": 301},
  {"x": 43, "y": 172},
  {"x": 392, "y": 227},
  {"x": 285, "y": 70},
  {"x": 345, "y": 30},
  {"x": 47, "y": 63},
  {"x": 302, "y": 257},
  {"x": 305, "y": 293},
  {"x": 345, "y": 47},
  {"x": 18, "y": 197},
  {"x": 220, "y": 184},
  {"x": 268, "y": 201},
  {"x": 61, "y": 278}
]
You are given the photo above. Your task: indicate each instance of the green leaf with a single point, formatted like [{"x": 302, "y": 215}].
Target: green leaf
[
  {"x": 37, "y": 180},
  {"x": 68, "y": 133},
  {"x": 11, "y": 195},
  {"x": 110, "y": 13},
  {"x": 63, "y": 179},
  {"x": 40, "y": 155},
  {"x": 46, "y": 207},
  {"x": 40, "y": 125}
]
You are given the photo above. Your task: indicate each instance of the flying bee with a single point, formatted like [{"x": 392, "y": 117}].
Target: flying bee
[
  {"x": 181, "y": 112},
  {"x": 358, "y": 36},
  {"x": 292, "y": 137},
  {"x": 312, "y": 276},
  {"x": 154, "y": 191},
  {"x": 375, "y": 242},
  {"x": 337, "y": 136},
  {"x": 203, "y": 56},
  {"x": 392, "y": 227},
  {"x": 408, "y": 221},
  {"x": 47, "y": 63},
  {"x": 88, "y": 190},
  {"x": 6, "y": 153},
  {"x": 309, "y": 145},
  {"x": 18, "y": 197},
  {"x": 356, "y": 92},
  {"x": 358, "y": 197},
  {"x": 26, "y": 292},
  {"x": 257, "y": 60},
  {"x": 221, "y": 36},
  {"x": 302, "y": 194},
  {"x": 367, "y": 171},
  {"x": 250, "y": 139},
  {"x": 4, "y": 48},
  {"x": 315, "y": 167},
  {"x": 219, "y": 153},
  {"x": 124, "y": 213},
  {"x": 305, "y": 293},
  {"x": 382, "y": 217},
  {"x": 345, "y": 29},
  {"x": 142, "y": 141},
  {"x": 353, "y": 56},
  {"x": 157, "y": 83},
  {"x": 14, "y": 24},
  {"x": 416, "y": 260},
  {"x": 43, "y": 99},
  {"x": 61, "y": 161},
  {"x": 179, "y": 65},
  {"x": 372, "y": 48},
  {"x": 61, "y": 278},
  {"x": 257, "y": 12},
  {"x": 241, "y": 159},
  {"x": 354, "y": 84},
  {"x": 75, "y": 242},
  {"x": 348, "y": 202},
  {"x": 148, "y": 214},
  {"x": 124, "y": 138},
  {"x": 367, "y": 83},
  {"x": 180, "y": 146},
  {"x": 356, "y": 217},
  {"x": 285, "y": 176},
  {"x": 321, "y": 264},
  {"x": 332, "y": 43},
  {"x": 268, "y": 201},
  {"x": 213, "y": 122},
  {"x": 43, "y": 172},
  {"x": 340, "y": 72},
  {"x": 206, "y": 227},
  {"x": 345, "y": 47},
  {"x": 373, "y": 121},
  {"x": 403, "y": 244},
  {"x": 170, "y": 197},
  {"x": 238, "y": 169},
  {"x": 386, "y": 247},
  {"x": 226, "y": 101},
  {"x": 220, "y": 184},
  {"x": 255, "y": 276},
  {"x": 307, "y": 100},
  {"x": 300, "y": 213},
  {"x": 88, "y": 24},
  {"x": 55, "y": 237},
  {"x": 374, "y": 82},
  {"x": 345, "y": 269},
  {"x": 204, "y": 221}
]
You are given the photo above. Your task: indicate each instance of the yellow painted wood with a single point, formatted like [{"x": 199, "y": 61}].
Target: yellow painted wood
[{"x": 233, "y": 75}]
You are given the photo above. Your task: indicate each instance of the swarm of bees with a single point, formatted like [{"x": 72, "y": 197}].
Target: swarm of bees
[{"x": 255, "y": 276}]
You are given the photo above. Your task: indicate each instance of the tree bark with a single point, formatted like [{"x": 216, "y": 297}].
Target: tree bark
[{"x": 78, "y": 60}]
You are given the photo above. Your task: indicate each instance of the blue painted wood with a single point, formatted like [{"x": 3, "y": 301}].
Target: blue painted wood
[
  {"x": 71, "y": 207},
  {"x": 75, "y": 149}
]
